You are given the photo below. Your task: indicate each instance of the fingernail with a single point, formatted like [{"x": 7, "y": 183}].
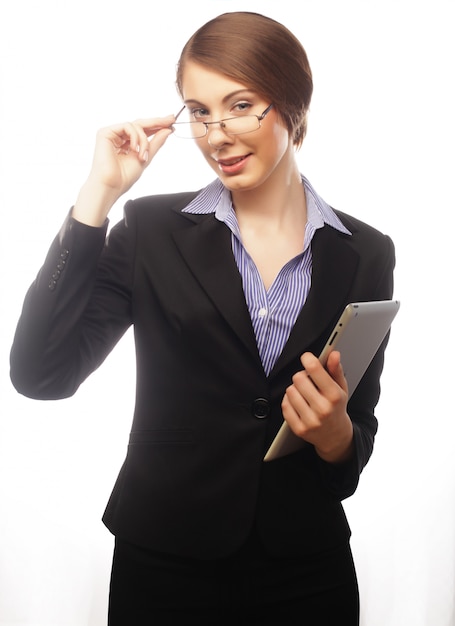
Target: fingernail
[{"x": 146, "y": 156}]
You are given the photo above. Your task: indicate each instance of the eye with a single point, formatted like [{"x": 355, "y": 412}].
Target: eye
[
  {"x": 199, "y": 114},
  {"x": 241, "y": 107}
]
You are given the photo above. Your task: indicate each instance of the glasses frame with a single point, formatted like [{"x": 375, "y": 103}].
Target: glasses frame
[{"x": 222, "y": 123}]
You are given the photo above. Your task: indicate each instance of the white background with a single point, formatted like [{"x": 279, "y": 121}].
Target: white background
[{"x": 380, "y": 146}]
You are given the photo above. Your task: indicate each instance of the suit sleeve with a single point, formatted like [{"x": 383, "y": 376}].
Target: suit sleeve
[
  {"x": 73, "y": 314},
  {"x": 342, "y": 479}
]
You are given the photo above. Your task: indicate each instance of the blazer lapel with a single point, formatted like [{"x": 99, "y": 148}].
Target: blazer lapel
[
  {"x": 334, "y": 267},
  {"x": 207, "y": 250}
]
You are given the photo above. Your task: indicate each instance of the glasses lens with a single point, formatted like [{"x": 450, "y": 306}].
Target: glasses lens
[
  {"x": 239, "y": 125},
  {"x": 231, "y": 126},
  {"x": 189, "y": 130}
]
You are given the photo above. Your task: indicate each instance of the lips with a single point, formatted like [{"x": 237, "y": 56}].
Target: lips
[
  {"x": 233, "y": 164},
  {"x": 232, "y": 161}
]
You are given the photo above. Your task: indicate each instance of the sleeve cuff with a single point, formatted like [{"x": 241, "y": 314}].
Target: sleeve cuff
[{"x": 71, "y": 224}]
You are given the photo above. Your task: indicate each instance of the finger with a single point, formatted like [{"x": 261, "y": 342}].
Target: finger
[
  {"x": 152, "y": 134},
  {"x": 123, "y": 137},
  {"x": 153, "y": 145},
  {"x": 297, "y": 413},
  {"x": 321, "y": 392},
  {"x": 320, "y": 376},
  {"x": 290, "y": 413},
  {"x": 152, "y": 125},
  {"x": 133, "y": 136},
  {"x": 308, "y": 401},
  {"x": 305, "y": 387},
  {"x": 335, "y": 369},
  {"x": 138, "y": 139}
]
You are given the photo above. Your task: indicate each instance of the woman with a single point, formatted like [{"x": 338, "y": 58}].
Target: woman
[{"x": 232, "y": 291}]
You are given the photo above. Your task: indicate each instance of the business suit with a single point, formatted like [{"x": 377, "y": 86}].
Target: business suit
[{"x": 193, "y": 482}]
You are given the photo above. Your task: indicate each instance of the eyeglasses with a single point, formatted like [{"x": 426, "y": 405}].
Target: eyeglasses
[{"x": 230, "y": 125}]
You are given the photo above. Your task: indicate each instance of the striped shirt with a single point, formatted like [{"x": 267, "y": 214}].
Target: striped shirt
[{"x": 274, "y": 311}]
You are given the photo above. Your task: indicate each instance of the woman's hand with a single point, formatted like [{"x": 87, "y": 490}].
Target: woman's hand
[
  {"x": 122, "y": 152},
  {"x": 315, "y": 407}
]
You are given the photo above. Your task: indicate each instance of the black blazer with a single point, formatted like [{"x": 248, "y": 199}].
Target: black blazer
[{"x": 193, "y": 481}]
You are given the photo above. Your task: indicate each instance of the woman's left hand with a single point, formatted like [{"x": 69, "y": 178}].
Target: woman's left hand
[{"x": 315, "y": 407}]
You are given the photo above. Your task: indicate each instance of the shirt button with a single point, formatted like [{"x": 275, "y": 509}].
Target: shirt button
[
  {"x": 260, "y": 408},
  {"x": 262, "y": 312}
]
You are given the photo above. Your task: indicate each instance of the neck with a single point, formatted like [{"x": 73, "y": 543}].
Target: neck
[
  {"x": 278, "y": 198},
  {"x": 272, "y": 220}
]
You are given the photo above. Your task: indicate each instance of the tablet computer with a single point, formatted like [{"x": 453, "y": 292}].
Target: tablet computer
[{"x": 357, "y": 336}]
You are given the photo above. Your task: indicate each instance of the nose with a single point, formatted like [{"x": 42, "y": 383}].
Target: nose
[{"x": 216, "y": 136}]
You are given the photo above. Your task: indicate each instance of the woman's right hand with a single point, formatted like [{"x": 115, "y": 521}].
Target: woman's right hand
[{"x": 122, "y": 153}]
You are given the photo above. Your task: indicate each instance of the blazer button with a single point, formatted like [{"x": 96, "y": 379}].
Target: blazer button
[{"x": 261, "y": 408}]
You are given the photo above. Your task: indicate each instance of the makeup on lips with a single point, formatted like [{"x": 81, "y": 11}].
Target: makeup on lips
[{"x": 233, "y": 165}]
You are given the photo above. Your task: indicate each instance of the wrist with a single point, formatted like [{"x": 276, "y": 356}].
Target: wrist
[
  {"x": 341, "y": 452},
  {"x": 93, "y": 203}
]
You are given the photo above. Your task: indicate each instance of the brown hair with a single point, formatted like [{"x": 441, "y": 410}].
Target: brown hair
[{"x": 261, "y": 53}]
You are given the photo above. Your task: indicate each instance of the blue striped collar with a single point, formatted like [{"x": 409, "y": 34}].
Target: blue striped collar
[{"x": 215, "y": 198}]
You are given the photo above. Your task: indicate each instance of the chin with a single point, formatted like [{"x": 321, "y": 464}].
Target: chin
[
  {"x": 236, "y": 185},
  {"x": 239, "y": 183}
]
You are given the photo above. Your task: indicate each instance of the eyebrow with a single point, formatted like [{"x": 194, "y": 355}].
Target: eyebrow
[{"x": 226, "y": 98}]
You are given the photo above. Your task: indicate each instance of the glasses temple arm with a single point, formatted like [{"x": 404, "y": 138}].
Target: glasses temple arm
[{"x": 177, "y": 114}]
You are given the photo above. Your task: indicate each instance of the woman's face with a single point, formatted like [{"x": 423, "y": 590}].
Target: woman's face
[{"x": 242, "y": 162}]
